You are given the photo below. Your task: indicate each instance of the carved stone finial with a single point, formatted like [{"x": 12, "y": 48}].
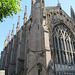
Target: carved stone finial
[
  {"x": 59, "y": 5},
  {"x": 18, "y": 24},
  {"x": 25, "y": 15},
  {"x": 12, "y": 33},
  {"x": 9, "y": 36}
]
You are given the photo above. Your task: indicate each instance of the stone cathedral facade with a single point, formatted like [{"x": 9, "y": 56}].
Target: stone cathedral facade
[{"x": 44, "y": 45}]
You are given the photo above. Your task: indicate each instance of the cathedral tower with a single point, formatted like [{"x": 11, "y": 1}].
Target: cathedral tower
[{"x": 37, "y": 41}]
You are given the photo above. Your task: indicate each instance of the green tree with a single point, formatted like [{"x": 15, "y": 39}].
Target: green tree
[{"x": 8, "y": 8}]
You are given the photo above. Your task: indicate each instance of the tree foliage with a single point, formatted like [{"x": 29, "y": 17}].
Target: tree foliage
[{"x": 8, "y": 8}]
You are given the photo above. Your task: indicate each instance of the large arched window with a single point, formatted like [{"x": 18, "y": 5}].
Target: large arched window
[{"x": 63, "y": 45}]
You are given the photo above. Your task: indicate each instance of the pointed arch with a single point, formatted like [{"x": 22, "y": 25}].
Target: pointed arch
[{"x": 64, "y": 38}]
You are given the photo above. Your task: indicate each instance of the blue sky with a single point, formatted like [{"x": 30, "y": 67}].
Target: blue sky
[{"x": 8, "y": 24}]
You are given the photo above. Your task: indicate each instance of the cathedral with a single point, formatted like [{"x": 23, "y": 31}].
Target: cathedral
[{"x": 44, "y": 45}]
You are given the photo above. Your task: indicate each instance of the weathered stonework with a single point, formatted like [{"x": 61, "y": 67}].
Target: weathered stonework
[{"x": 44, "y": 45}]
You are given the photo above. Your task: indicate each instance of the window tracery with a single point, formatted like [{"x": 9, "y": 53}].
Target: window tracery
[{"x": 63, "y": 45}]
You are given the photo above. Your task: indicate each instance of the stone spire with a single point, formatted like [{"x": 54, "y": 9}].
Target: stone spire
[
  {"x": 12, "y": 33},
  {"x": 8, "y": 36},
  {"x": 18, "y": 24},
  {"x": 25, "y": 15},
  {"x": 7, "y": 39},
  {"x": 72, "y": 13}
]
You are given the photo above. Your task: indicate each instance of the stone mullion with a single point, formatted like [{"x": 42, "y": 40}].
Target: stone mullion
[
  {"x": 72, "y": 59},
  {"x": 62, "y": 49},
  {"x": 71, "y": 44},
  {"x": 68, "y": 44},
  {"x": 71, "y": 50},
  {"x": 59, "y": 49},
  {"x": 72, "y": 53},
  {"x": 63, "y": 58},
  {"x": 65, "y": 48}
]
